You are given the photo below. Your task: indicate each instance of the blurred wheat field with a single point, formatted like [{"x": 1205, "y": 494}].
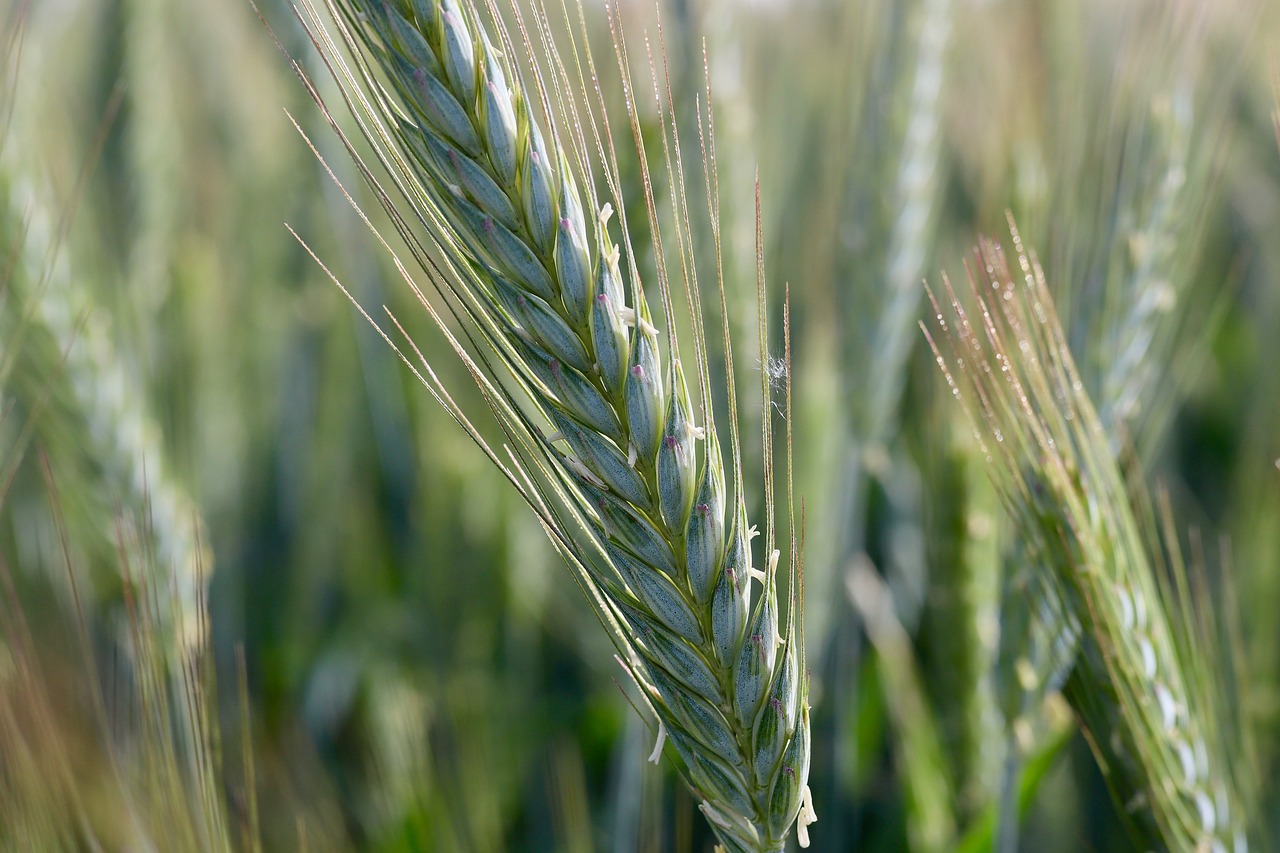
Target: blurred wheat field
[{"x": 259, "y": 591}]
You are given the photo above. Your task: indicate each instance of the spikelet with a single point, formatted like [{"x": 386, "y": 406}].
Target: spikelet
[{"x": 620, "y": 460}]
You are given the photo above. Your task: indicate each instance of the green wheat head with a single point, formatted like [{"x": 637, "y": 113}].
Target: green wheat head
[
  {"x": 1149, "y": 684},
  {"x": 493, "y": 187}
]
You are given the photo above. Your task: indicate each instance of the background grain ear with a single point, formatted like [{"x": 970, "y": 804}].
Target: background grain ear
[{"x": 267, "y": 586}]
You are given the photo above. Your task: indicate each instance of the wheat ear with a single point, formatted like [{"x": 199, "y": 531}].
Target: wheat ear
[
  {"x": 629, "y": 487},
  {"x": 1149, "y": 685}
]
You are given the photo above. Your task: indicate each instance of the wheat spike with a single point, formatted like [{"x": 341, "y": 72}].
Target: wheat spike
[
  {"x": 622, "y": 463},
  {"x": 63, "y": 366},
  {"x": 1147, "y": 686}
]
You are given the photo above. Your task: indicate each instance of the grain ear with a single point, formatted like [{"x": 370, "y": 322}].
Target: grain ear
[
  {"x": 589, "y": 389},
  {"x": 1147, "y": 682}
]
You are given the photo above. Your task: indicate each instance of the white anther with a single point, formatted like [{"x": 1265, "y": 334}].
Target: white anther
[
  {"x": 632, "y": 455},
  {"x": 807, "y": 816},
  {"x": 752, "y": 532},
  {"x": 630, "y": 318},
  {"x": 657, "y": 747},
  {"x": 611, "y": 253},
  {"x": 694, "y": 432},
  {"x": 575, "y": 465}
]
